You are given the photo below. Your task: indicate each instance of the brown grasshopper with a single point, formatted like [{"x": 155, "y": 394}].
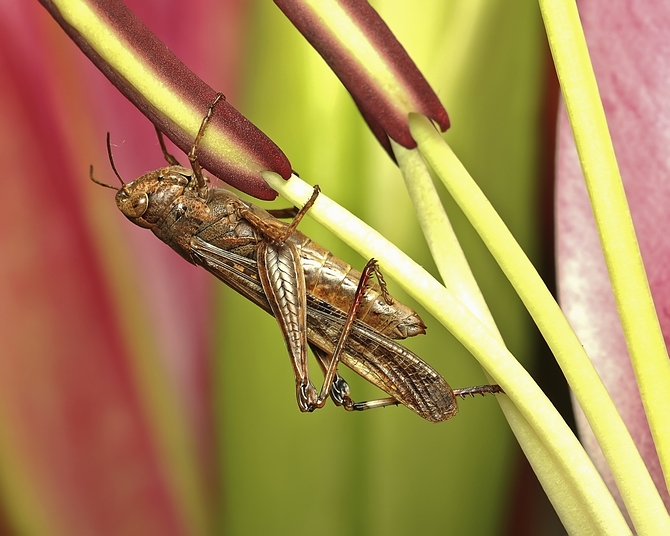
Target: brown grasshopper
[{"x": 318, "y": 300}]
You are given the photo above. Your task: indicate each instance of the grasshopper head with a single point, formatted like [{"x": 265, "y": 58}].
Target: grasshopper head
[{"x": 146, "y": 199}]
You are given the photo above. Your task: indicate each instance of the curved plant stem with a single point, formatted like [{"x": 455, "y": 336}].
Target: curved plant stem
[
  {"x": 457, "y": 276},
  {"x": 618, "y": 448},
  {"x": 641, "y": 328},
  {"x": 485, "y": 345},
  {"x": 442, "y": 241}
]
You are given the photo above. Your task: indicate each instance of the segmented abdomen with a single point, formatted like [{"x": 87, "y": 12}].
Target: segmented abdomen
[{"x": 334, "y": 281}]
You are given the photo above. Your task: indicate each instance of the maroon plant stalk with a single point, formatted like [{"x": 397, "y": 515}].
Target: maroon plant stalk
[
  {"x": 384, "y": 108},
  {"x": 249, "y": 152}
]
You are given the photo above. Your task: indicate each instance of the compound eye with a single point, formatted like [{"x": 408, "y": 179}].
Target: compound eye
[
  {"x": 175, "y": 177},
  {"x": 182, "y": 180},
  {"x": 135, "y": 205}
]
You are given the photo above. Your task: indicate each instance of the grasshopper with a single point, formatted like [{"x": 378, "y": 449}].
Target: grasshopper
[{"x": 319, "y": 301}]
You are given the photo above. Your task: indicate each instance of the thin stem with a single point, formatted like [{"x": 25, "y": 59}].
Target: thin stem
[
  {"x": 559, "y": 484},
  {"x": 634, "y": 302},
  {"x": 618, "y": 448}
]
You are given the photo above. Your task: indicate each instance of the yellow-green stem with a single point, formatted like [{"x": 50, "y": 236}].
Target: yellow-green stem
[
  {"x": 636, "y": 309},
  {"x": 644, "y": 505},
  {"x": 450, "y": 260}
]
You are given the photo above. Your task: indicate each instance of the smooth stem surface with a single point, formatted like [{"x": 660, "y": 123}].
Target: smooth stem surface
[
  {"x": 641, "y": 328},
  {"x": 439, "y": 234},
  {"x": 618, "y": 448},
  {"x": 559, "y": 485}
]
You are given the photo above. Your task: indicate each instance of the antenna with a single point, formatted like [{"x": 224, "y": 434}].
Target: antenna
[
  {"x": 111, "y": 161},
  {"x": 101, "y": 183}
]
